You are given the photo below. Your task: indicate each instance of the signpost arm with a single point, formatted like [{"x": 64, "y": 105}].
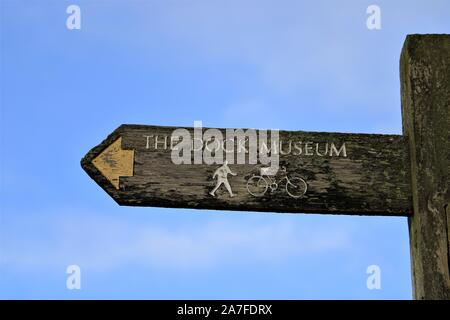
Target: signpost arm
[{"x": 425, "y": 88}]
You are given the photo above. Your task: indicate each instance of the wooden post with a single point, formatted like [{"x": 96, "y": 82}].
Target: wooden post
[{"x": 425, "y": 88}]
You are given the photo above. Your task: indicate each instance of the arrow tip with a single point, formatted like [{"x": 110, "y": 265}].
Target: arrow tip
[{"x": 114, "y": 162}]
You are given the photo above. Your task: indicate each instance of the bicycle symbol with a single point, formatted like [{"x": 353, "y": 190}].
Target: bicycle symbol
[{"x": 257, "y": 185}]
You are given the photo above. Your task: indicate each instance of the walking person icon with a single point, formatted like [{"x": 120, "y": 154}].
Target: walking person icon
[{"x": 222, "y": 178}]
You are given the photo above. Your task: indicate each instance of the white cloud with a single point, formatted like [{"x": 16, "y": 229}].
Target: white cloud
[
  {"x": 291, "y": 45},
  {"x": 101, "y": 242},
  {"x": 251, "y": 113}
]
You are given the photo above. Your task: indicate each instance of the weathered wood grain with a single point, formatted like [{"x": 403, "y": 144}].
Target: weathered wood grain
[
  {"x": 373, "y": 179},
  {"x": 425, "y": 85}
]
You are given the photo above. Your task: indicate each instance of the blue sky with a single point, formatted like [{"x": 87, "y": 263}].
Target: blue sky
[{"x": 296, "y": 65}]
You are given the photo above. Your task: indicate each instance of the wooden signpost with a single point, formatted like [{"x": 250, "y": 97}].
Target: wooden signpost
[
  {"x": 342, "y": 173},
  {"x": 330, "y": 173}
]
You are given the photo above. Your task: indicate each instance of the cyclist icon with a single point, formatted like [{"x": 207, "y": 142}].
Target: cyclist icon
[{"x": 258, "y": 185}]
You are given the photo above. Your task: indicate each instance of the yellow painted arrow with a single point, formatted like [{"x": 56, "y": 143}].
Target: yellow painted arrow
[{"x": 114, "y": 162}]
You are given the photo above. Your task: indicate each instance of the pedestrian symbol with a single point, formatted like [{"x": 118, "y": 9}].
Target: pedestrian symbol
[{"x": 222, "y": 178}]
